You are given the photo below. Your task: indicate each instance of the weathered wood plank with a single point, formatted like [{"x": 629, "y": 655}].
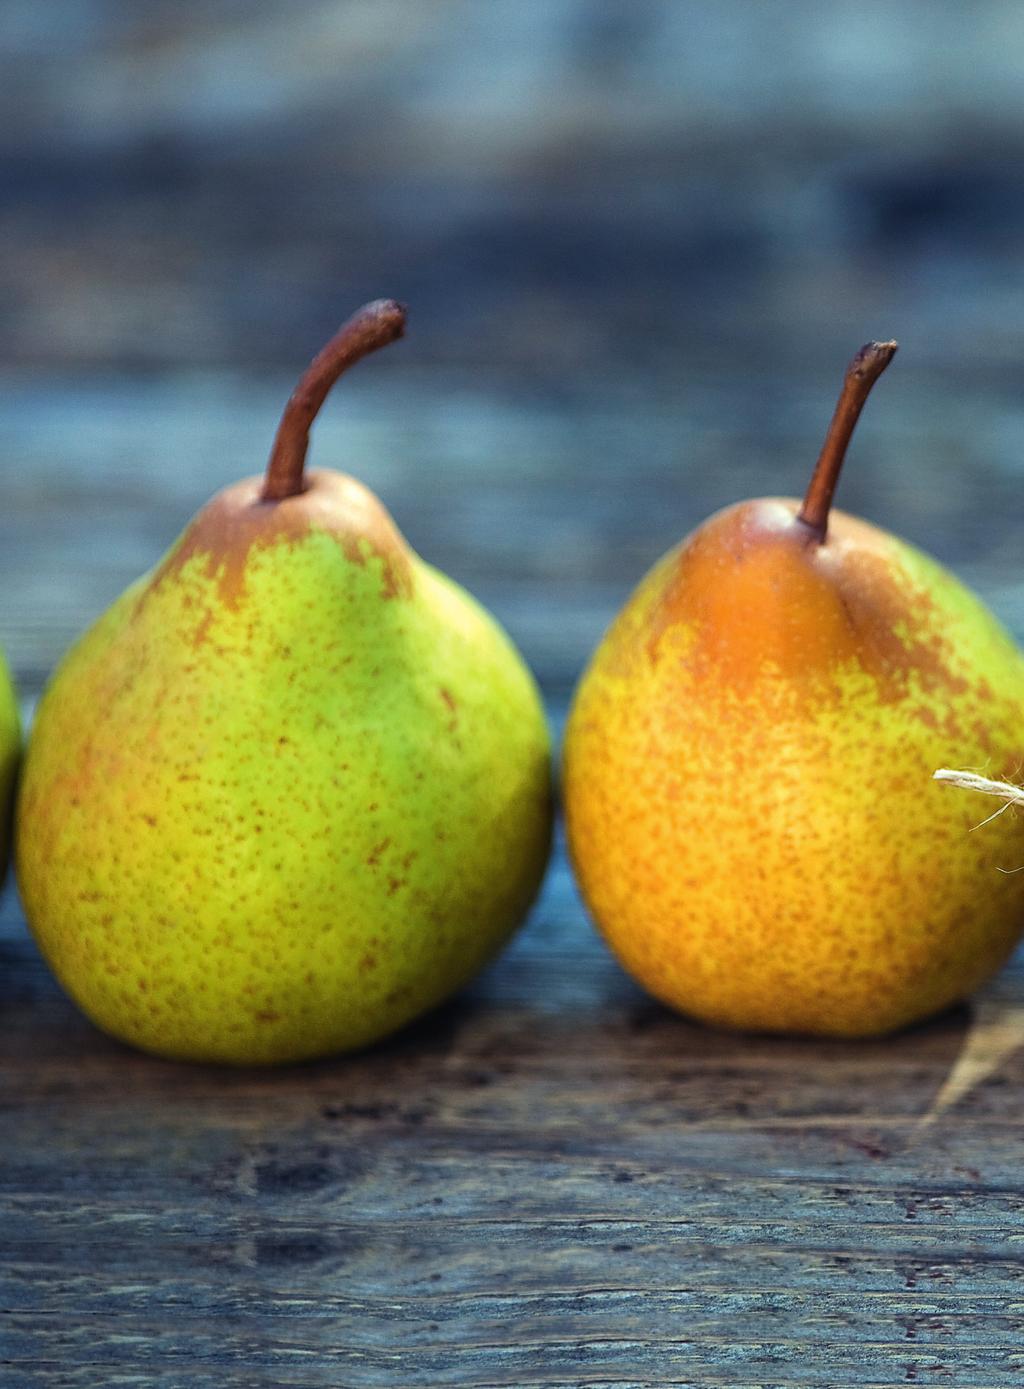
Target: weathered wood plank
[{"x": 661, "y": 1358}]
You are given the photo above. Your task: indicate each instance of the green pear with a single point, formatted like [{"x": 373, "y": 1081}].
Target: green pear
[
  {"x": 10, "y": 751},
  {"x": 293, "y": 788}
]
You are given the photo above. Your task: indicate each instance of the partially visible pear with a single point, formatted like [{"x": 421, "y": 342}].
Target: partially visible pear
[
  {"x": 10, "y": 751},
  {"x": 747, "y": 761},
  {"x": 292, "y": 789}
]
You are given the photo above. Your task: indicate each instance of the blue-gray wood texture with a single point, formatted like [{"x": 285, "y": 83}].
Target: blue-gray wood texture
[{"x": 639, "y": 242}]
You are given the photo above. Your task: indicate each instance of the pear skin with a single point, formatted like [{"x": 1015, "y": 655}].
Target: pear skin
[
  {"x": 10, "y": 752},
  {"x": 293, "y": 788},
  {"x": 747, "y": 764}
]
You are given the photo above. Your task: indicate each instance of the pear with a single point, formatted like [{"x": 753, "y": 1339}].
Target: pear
[
  {"x": 10, "y": 751},
  {"x": 293, "y": 788},
  {"x": 747, "y": 764}
]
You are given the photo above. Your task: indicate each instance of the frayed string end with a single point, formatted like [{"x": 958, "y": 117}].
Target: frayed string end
[{"x": 971, "y": 781}]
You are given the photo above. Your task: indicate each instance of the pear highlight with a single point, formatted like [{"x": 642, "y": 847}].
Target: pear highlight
[
  {"x": 293, "y": 788},
  {"x": 747, "y": 769}
]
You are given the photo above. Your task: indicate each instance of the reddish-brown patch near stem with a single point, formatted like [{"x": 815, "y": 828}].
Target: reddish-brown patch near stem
[
  {"x": 236, "y": 522},
  {"x": 753, "y": 588}
]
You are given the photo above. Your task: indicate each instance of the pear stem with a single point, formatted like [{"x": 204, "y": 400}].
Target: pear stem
[
  {"x": 371, "y": 327},
  {"x": 861, "y": 375}
]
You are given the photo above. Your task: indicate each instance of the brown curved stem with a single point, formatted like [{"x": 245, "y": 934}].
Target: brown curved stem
[
  {"x": 371, "y": 327},
  {"x": 861, "y": 375}
]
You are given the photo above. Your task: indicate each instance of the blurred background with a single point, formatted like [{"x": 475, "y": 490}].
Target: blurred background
[{"x": 639, "y": 241}]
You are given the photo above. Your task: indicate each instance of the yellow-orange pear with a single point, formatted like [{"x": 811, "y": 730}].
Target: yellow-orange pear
[{"x": 747, "y": 770}]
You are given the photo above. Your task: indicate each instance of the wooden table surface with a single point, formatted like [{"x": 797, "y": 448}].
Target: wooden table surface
[{"x": 553, "y": 1180}]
